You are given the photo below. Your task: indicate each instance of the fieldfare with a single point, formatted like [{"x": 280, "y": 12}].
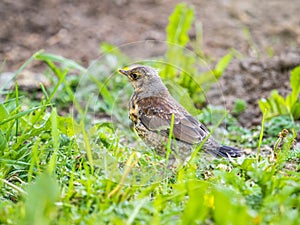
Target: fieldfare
[{"x": 152, "y": 108}]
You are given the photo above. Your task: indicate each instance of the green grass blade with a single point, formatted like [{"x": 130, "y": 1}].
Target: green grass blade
[
  {"x": 27, "y": 62},
  {"x": 55, "y": 140},
  {"x": 57, "y": 58},
  {"x": 261, "y": 131},
  {"x": 23, "y": 113}
]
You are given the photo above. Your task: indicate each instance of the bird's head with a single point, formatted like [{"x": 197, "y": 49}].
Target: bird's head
[{"x": 144, "y": 79}]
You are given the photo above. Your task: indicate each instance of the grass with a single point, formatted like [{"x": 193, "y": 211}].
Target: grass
[
  {"x": 70, "y": 157},
  {"x": 86, "y": 169}
]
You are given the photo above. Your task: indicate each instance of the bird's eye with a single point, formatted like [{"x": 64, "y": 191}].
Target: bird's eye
[{"x": 134, "y": 76}]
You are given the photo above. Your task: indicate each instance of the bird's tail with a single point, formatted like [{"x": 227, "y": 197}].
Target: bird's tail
[{"x": 227, "y": 151}]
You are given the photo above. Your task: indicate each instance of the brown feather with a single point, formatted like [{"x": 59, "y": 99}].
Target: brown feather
[{"x": 156, "y": 114}]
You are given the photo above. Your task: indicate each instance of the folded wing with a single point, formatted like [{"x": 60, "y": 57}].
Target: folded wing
[{"x": 156, "y": 115}]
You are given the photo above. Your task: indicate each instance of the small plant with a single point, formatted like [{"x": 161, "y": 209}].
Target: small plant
[
  {"x": 181, "y": 64},
  {"x": 276, "y": 105},
  {"x": 239, "y": 106}
]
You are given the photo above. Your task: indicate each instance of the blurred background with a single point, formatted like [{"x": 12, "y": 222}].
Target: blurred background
[{"x": 74, "y": 29}]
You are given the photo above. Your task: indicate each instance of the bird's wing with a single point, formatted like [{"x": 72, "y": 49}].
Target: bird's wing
[{"x": 156, "y": 114}]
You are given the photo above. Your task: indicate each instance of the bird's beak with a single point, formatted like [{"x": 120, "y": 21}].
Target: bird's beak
[{"x": 124, "y": 72}]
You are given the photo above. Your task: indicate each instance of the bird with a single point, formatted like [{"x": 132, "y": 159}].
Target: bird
[{"x": 153, "y": 110}]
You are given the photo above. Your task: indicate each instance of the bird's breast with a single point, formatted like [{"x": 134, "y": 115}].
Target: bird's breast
[{"x": 133, "y": 110}]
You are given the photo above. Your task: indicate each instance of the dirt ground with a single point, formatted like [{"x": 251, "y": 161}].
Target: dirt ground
[{"x": 74, "y": 30}]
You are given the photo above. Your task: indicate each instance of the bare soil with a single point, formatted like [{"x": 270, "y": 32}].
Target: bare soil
[{"x": 74, "y": 29}]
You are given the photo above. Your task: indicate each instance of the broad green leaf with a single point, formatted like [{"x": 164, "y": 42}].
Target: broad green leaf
[
  {"x": 55, "y": 139},
  {"x": 295, "y": 81},
  {"x": 3, "y": 115},
  {"x": 39, "y": 205},
  {"x": 295, "y": 110},
  {"x": 199, "y": 202},
  {"x": 229, "y": 208},
  {"x": 177, "y": 37},
  {"x": 222, "y": 65},
  {"x": 278, "y": 103},
  {"x": 179, "y": 24},
  {"x": 274, "y": 104},
  {"x": 293, "y": 97},
  {"x": 239, "y": 106},
  {"x": 290, "y": 101},
  {"x": 3, "y": 112},
  {"x": 68, "y": 126},
  {"x": 3, "y": 143},
  {"x": 263, "y": 105}
]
